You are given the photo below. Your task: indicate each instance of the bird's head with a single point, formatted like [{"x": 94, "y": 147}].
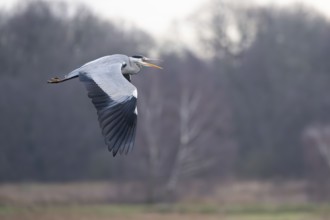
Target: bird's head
[{"x": 137, "y": 62}]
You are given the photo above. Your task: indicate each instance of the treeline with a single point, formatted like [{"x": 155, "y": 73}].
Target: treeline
[{"x": 241, "y": 113}]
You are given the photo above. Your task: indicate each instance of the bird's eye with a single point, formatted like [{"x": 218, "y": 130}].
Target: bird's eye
[{"x": 123, "y": 65}]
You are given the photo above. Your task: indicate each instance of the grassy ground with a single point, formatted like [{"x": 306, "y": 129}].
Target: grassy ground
[
  {"x": 95, "y": 201},
  {"x": 163, "y": 212}
]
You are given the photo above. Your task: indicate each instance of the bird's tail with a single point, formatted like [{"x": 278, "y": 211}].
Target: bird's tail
[{"x": 68, "y": 76}]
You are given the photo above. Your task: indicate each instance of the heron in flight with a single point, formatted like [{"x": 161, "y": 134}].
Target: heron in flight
[{"x": 107, "y": 81}]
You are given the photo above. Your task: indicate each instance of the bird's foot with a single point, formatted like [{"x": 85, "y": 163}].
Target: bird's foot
[{"x": 55, "y": 80}]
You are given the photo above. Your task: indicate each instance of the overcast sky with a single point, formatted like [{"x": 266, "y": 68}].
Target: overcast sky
[{"x": 156, "y": 16}]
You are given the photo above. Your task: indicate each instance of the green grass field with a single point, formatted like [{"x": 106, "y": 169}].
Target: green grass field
[
  {"x": 162, "y": 212},
  {"x": 97, "y": 201}
]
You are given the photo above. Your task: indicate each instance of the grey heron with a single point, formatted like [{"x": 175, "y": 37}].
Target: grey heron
[{"x": 107, "y": 81}]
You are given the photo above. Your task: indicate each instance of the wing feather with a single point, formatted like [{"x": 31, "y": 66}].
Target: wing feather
[{"x": 114, "y": 98}]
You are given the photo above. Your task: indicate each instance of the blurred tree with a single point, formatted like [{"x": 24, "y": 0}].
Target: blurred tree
[
  {"x": 275, "y": 81},
  {"x": 180, "y": 124},
  {"x": 316, "y": 142},
  {"x": 246, "y": 107},
  {"x": 50, "y": 133}
]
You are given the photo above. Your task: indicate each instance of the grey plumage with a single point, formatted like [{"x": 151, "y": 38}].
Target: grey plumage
[{"x": 107, "y": 81}]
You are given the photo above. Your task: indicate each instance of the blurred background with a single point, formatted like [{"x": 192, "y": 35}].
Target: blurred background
[{"x": 236, "y": 126}]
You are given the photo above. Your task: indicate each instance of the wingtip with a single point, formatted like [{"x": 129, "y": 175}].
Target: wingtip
[{"x": 113, "y": 151}]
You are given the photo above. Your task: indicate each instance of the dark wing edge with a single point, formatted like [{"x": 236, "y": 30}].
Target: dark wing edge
[
  {"x": 128, "y": 77},
  {"x": 117, "y": 118},
  {"x": 118, "y": 126}
]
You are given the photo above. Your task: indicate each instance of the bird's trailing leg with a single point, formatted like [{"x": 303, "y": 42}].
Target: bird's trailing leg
[{"x": 56, "y": 80}]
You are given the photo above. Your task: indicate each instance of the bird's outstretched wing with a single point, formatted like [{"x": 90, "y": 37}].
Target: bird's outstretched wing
[{"x": 115, "y": 101}]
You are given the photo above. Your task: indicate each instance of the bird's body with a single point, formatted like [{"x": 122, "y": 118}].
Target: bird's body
[{"x": 107, "y": 81}]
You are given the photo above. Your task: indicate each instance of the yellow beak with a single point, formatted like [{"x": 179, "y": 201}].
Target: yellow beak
[{"x": 151, "y": 65}]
